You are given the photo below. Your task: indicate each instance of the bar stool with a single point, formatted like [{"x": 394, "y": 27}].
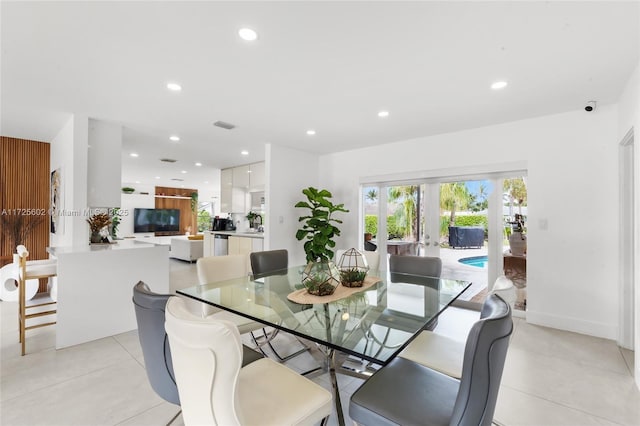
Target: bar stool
[{"x": 29, "y": 271}]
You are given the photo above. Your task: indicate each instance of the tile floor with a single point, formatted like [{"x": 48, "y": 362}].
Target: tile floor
[{"x": 551, "y": 377}]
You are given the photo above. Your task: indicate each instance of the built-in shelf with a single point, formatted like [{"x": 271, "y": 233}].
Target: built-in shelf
[{"x": 173, "y": 196}]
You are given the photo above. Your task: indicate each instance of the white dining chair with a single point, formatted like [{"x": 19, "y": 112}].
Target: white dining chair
[{"x": 215, "y": 390}]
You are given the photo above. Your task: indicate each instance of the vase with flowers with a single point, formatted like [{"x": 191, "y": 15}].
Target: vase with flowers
[{"x": 97, "y": 223}]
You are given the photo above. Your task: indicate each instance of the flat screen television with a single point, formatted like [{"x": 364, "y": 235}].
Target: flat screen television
[{"x": 156, "y": 220}]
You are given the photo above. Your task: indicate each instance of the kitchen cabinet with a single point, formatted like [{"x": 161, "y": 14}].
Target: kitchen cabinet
[
  {"x": 236, "y": 182},
  {"x": 232, "y": 197},
  {"x": 257, "y": 177},
  {"x": 240, "y": 245},
  {"x": 242, "y": 177}
]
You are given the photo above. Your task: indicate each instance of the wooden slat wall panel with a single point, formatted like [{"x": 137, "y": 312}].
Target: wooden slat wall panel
[
  {"x": 187, "y": 217},
  {"x": 24, "y": 184}
]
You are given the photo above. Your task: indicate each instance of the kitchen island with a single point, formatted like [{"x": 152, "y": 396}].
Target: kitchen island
[
  {"x": 96, "y": 285},
  {"x": 220, "y": 243}
]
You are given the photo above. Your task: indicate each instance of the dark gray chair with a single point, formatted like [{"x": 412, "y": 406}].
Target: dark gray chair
[
  {"x": 149, "y": 307},
  {"x": 264, "y": 263},
  {"x": 406, "y": 393}
]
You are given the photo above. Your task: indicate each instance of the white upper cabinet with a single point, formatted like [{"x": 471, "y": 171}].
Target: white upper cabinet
[
  {"x": 241, "y": 177},
  {"x": 257, "y": 177},
  {"x": 236, "y": 183}
]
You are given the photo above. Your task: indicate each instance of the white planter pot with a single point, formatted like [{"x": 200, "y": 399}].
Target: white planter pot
[{"x": 518, "y": 244}]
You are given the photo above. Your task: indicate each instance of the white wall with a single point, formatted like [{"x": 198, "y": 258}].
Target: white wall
[
  {"x": 288, "y": 172},
  {"x": 629, "y": 118},
  {"x": 572, "y": 184},
  {"x": 69, "y": 154},
  {"x": 104, "y": 164}
]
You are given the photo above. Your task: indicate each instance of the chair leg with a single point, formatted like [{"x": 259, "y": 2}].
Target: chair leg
[
  {"x": 324, "y": 421},
  {"x": 267, "y": 340},
  {"x": 174, "y": 418}
]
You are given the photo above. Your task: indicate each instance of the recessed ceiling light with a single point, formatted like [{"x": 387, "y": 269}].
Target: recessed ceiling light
[
  {"x": 133, "y": 154},
  {"x": 174, "y": 138},
  {"x": 137, "y": 181},
  {"x": 499, "y": 85},
  {"x": 183, "y": 171},
  {"x": 198, "y": 164},
  {"x": 247, "y": 34},
  {"x": 383, "y": 114},
  {"x": 174, "y": 87},
  {"x": 245, "y": 152},
  {"x": 311, "y": 132},
  {"x": 157, "y": 177},
  {"x": 206, "y": 181}
]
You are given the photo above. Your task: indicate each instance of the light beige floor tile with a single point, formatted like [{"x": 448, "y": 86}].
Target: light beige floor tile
[
  {"x": 130, "y": 342},
  {"x": 37, "y": 340},
  {"x": 587, "y": 350},
  {"x": 629, "y": 358},
  {"x": 103, "y": 397},
  {"x": 516, "y": 408},
  {"x": 39, "y": 370},
  {"x": 595, "y": 391},
  {"x": 158, "y": 415}
]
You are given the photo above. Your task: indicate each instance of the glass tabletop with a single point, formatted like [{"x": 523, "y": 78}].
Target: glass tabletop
[{"x": 374, "y": 324}]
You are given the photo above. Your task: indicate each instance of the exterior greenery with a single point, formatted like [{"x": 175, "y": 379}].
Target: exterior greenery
[
  {"x": 204, "y": 220},
  {"x": 319, "y": 229}
]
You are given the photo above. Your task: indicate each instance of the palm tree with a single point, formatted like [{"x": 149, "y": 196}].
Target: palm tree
[
  {"x": 454, "y": 196},
  {"x": 372, "y": 195},
  {"x": 407, "y": 217},
  {"x": 516, "y": 190}
]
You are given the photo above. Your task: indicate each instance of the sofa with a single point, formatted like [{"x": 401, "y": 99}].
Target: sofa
[
  {"x": 186, "y": 249},
  {"x": 466, "y": 236}
]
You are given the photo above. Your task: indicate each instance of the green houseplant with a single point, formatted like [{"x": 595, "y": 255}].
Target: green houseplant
[{"x": 321, "y": 276}]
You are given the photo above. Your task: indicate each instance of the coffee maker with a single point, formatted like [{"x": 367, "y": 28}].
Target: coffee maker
[{"x": 222, "y": 224}]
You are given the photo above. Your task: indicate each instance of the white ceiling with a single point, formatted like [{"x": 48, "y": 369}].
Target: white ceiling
[{"x": 329, "y": 66}]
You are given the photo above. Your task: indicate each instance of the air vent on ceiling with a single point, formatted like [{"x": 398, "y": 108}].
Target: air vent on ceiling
[
  {"x": 178, "y": 179},
  {"x": 168, "y": 160},
  {"x": 224, "y": 125}
]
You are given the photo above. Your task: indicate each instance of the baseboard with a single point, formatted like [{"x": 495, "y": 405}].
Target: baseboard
[{"x": 590, "y": 328}]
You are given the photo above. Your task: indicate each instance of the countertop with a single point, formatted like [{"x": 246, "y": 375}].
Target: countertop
[
  {"x": 246, "y": 234},
  {"x": 119, "y": 245}
]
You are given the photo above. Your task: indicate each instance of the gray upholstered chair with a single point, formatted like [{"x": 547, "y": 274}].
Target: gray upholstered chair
[
  {"x": 150, "y": 315},
  {"x": 264, "y": 263},
  {"x": 424, "y": 268},
  {"x": 407, "y": 393},
  {"x": 444, "y": 353},
  {"x": 216, "y": 390},
  {"x": 416, "y": 265}
]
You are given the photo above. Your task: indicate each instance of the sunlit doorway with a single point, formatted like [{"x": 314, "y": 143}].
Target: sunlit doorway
[{"x": 468, "y": 223}]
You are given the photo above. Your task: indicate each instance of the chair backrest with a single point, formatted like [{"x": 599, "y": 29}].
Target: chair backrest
[
  {"x": 213, "y": 269},
  {"x": 505, "y": 288},
  {"x": 416, "y": 265},
  {"x": 484, "y": 356},
  {"x": 207, "y": 355},
  {"x": 150, "y": 308},
  {"x": 265, "y": 262}
]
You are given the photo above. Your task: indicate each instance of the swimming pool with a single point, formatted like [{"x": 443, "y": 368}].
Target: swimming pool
[{"x": 477, "y": 261}]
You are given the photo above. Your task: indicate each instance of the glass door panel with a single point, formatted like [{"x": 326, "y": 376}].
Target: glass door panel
[{"x": 463, "y": 234}]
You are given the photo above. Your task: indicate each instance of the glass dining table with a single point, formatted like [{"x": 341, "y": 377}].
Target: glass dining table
[{"x": 368, "y": 327}]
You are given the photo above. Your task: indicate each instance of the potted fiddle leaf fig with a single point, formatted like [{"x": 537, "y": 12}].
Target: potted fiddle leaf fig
[{"x": 321, "y": 276}]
